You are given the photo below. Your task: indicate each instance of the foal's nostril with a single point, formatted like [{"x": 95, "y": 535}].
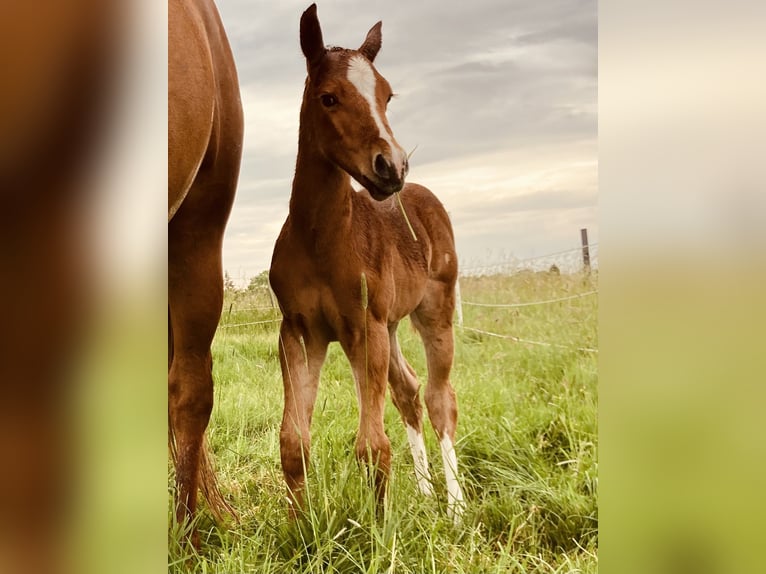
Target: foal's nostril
[{"x": 381, "y": 167}]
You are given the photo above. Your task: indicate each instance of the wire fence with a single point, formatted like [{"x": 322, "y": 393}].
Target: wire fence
[
  {"x": 548, "y": 301},
  {"x": 529, "y": 342},
  {"x": 556, "y": 298},
  {"x": 566, "y": 261},
  {"x": 531, "y": 303},
  {"x": 249, "y": 323}
]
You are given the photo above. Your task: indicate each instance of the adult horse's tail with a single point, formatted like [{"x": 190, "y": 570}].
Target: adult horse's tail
[
  {"x": 209, "y": 486},
  {"x": 207, "y": 480}
]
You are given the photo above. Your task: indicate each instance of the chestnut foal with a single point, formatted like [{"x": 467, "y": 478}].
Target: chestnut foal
[
  {"x": 346, "y": 268},
  {"x": 204, "y": 150}
]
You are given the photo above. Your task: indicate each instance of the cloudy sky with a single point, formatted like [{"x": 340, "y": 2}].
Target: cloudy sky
[{"x": 499, "y": 96}]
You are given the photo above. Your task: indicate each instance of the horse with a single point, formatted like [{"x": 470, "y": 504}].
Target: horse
[
  {"x": 347, "y": 268},
  {"x": 205, "y": 130}
]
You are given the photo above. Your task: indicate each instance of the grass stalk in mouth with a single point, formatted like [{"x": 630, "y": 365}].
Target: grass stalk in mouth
[
  {"x": 401, "y": 205},
  {"x": 404, "y": 213}
]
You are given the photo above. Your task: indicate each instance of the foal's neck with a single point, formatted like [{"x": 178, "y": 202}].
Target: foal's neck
[{"x": 321, "y": 198}]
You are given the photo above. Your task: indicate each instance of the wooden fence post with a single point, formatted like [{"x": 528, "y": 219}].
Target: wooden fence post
[{"x": 585, "y": 250}]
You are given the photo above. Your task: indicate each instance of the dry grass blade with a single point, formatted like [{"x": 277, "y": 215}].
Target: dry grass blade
[
  {"x": 401, "y": 205},
  {"x": 404, "y": 213},
  {"x": 364, "y": 291},
  {"x": 365, "y": 301}
]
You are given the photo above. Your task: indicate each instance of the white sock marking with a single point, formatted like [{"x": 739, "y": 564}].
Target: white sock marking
[
  {"x": 455, "y": 505},
  {"x": 418, "y": 448}
]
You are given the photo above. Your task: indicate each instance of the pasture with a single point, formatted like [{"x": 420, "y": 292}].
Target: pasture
[{"x": 526, "y": 446}]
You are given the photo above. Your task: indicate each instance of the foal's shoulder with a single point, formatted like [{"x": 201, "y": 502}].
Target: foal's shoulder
[{"x": 419, "y": 194}]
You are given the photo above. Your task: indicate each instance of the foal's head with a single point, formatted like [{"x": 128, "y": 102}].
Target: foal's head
[{"x": 344, "y": 110}]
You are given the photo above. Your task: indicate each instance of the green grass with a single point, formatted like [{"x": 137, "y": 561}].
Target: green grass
[{"x": 526, "y": 447}]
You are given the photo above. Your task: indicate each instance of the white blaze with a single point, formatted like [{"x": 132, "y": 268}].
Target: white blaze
[
  {"x": 455, "y": 504},
  {"x": 362, "y": 77},
  {"x": 418, "y": 448}
]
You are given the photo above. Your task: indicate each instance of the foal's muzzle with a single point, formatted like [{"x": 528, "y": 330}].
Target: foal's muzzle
[{"x": 388, "y": 179}]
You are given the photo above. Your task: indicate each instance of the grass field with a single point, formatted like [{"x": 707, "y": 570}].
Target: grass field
[{"x": 526, "y": 446}]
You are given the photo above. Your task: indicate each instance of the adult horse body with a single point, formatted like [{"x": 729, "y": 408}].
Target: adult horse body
[
  {"x": 346, "y": 268},
  {"x": 205, "y": 129}
]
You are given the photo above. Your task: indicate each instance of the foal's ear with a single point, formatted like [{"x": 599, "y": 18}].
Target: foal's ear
[
  {"x": 372, "y": 42},
  {"x": 311, "y": 36}
]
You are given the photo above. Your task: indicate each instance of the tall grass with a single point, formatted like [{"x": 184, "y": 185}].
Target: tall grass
[{"x": 526, "y": 447}]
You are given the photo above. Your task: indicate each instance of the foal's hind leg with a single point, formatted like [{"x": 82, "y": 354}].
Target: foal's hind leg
[
  {"x": 405, "y": 395},
  {"x": 433, "y": 320}
]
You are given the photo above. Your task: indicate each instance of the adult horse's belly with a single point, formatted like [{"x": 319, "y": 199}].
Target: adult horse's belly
[{"x": 191, "y": 99}]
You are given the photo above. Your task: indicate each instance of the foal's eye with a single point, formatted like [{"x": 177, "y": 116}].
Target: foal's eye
[{"x": 328, "y": 100}]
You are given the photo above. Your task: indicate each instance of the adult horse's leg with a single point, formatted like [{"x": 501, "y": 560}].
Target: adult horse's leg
[
  {"x": 195, "y": 296},
  {"x": 204, "y": 149},
  {"x": 368, "y": 352},
  {"x": 405, "y": 395},
  {"x": 301, "y": 359},
  {"x": 433, "y": 320}
]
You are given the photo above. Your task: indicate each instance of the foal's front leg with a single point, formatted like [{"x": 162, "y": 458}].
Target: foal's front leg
[
  {"x": 301, "y": 359},
  {"x": 368, "y": 349}
]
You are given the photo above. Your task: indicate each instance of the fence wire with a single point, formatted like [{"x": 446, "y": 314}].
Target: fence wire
[
  {"x": 530, "y": 303},
  {"x": 536, "y": 277},
  {"x": 567, "y": 261}
]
